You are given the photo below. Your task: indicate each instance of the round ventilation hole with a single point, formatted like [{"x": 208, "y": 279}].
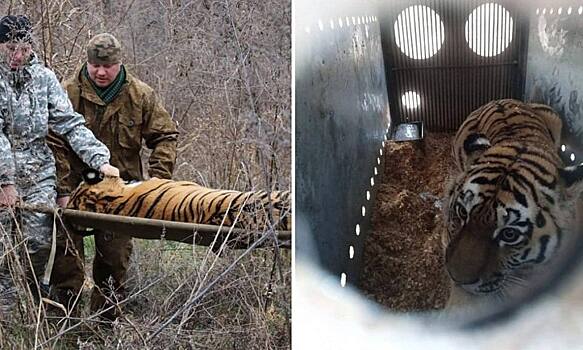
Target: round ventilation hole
[
  {"x": 411, "y": 99},
  {"x": 489, "y": 29},
  {"x": 419, "y": 32}
]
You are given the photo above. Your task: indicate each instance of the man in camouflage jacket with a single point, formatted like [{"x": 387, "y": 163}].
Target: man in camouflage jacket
[
  {"x": 122, "y": 111},
  {"x": 31, "y": 102}
]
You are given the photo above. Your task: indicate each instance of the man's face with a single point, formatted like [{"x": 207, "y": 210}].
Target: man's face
[
  {"x": 15, "y": 55},
  {"x": 103, "y": 74}
]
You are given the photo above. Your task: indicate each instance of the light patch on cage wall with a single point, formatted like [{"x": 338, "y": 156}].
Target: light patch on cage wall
[
  {"x": 555, "y": 70},
  {"x": 551, "y": 36}
]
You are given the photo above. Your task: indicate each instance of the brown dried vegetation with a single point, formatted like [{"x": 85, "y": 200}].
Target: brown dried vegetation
[{"x": 403, "y": 258}]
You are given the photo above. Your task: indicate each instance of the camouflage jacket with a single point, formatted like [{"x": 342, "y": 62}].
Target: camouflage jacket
[
  {"x": 134, "y": 115},
  {"x": 31, "y": 102}
]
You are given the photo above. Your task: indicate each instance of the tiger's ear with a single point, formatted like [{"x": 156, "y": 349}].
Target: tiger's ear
[
  {"x": 552, "y": 121},
  {"x": 475, "y": 145},
  {"x": 572, "y": 177},
  {"x": 92, "y": 176}
]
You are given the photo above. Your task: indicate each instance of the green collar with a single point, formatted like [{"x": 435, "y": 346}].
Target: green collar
[{"x": 108, "y": 93}]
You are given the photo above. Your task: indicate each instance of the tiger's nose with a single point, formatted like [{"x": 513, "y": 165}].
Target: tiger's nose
[
  {"x": 463, "y": 280},
  {"x": 469, "y": 257},
  {"x": 463, "y": 268}
]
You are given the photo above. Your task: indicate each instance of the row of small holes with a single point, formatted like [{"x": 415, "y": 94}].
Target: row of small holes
[
  {"x": 341, "y": 23},
  {"x": 559, "y": 10},
  {"x": 355, "y": 21},
  {"x": 343, "y": 276}
]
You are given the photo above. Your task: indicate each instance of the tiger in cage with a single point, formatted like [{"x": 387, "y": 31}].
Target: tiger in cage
[
  {"x": 182, "y": 201},
  {"x": 511, "y": 203}
]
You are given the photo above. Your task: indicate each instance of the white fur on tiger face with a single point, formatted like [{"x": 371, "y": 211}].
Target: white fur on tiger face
[{"x": 511, "y": 204}]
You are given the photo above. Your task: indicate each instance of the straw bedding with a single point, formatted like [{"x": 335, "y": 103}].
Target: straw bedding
[{"x": 403, "y": 258}]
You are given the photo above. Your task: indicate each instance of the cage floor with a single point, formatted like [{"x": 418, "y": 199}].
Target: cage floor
[{"x": 403, "y": 258}]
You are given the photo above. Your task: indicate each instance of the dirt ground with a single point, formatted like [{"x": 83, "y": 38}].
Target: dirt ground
[{"x": 403, "y": 258}]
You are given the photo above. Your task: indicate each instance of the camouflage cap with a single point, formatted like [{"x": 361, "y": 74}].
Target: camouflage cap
[
  {"x": 104, "y": 49},
  {"x": 15, "y": 28}
]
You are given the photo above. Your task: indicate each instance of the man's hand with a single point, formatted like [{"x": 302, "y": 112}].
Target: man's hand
[
  {"x": 62, "y": 201},
  {"x": 8, "y": 195},
  {"x": 109, "y": 170}
]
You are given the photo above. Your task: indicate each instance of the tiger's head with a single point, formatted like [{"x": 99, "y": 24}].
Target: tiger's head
[
  {"x": 507, "y": 213},
  {"x": 96, "y": 191}
]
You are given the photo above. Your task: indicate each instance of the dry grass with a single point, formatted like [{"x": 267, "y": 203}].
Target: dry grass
[
  {"x": 177, "y": 297},
  {"x": 403, "y": 255},
  {"x": 222, "y": 69}
]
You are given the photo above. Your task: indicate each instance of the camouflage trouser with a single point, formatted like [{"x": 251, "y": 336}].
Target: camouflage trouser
[
  {"x": 30, "y": 230},
  {"x": 110, "y": 266}
]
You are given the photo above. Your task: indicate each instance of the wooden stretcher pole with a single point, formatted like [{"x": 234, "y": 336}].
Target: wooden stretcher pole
[{"x": 160, "y": 229}]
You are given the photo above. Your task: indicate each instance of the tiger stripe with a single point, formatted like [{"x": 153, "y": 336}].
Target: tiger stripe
[
  {"x": 185, "y": 202},
  {"x": 517, "y": 194}
]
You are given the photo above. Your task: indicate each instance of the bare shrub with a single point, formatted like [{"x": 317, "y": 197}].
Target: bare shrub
[{"x": 222, "y": 69}]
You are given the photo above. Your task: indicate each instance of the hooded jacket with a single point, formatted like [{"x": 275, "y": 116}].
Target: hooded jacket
[{"x": 135, "y": 115}]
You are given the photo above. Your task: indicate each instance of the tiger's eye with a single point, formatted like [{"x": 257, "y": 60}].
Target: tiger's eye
[
  {"x": 462, "y": 212},
  {"x": 510, "y": 235}
]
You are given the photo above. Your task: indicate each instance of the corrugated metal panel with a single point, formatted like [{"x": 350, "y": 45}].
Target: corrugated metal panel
[{"x": 452, "y": 69}]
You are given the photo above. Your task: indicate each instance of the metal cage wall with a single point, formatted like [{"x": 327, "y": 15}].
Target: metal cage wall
[
  {"x": 446, "y": 58},
  {"x": 554, "y": 70},
  {"x": 341, "y": 123}
]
